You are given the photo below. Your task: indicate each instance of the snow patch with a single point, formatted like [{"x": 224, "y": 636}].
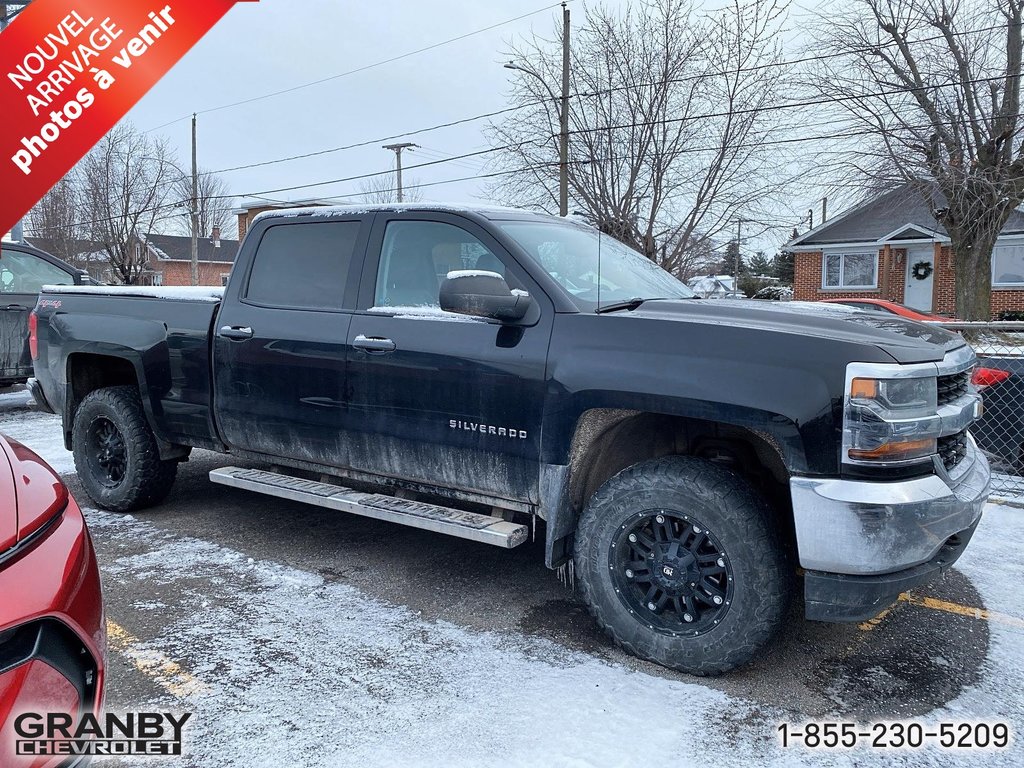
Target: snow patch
[
  {"x": 296, "y": 670},
  {"x": 173, "y": 293},
  {"x": 424, "y": 312},
  {"x": 356, "y": 210},
  {"x": 43, "y": 434},
  {"x": 455, "y": 274}
]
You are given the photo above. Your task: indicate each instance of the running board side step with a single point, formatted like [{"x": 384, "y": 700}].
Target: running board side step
[{"x": 416, "y": 514}]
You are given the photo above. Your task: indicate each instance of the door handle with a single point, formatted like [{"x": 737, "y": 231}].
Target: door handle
[
  {"x": 235, "y": 332},
  {"x": 374, "y": 344},
  {"x": 14, "y": 308}
]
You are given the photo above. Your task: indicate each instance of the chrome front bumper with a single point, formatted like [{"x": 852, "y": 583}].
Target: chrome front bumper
[{"x": 865, "y": 528}]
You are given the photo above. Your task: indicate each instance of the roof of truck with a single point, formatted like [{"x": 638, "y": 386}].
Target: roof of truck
[{"x": 490, "y": 211}]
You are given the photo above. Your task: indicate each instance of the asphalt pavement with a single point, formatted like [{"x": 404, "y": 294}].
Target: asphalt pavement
[{"x": 299, "y": 636}]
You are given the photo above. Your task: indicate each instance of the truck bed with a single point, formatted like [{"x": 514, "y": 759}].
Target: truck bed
[{"x": 163, "y": 332}]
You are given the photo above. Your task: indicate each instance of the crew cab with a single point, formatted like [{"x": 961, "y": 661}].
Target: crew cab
[
  {"x": 23, "y": 272},
  {"x": 488, "y": 373}
]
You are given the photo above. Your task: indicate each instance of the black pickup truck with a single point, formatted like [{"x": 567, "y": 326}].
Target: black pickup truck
[{"x": 474, "y": 371}]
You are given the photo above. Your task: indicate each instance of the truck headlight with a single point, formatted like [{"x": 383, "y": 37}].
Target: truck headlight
[{"x": 890, "y": 420}]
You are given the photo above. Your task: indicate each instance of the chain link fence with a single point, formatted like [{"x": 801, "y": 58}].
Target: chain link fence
[{"x": 1000, "y": 378}]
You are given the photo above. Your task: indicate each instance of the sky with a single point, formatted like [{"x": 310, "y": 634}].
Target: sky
[
  {"x": 277, "y": 44},
  {"x": 260, "y": 48}
]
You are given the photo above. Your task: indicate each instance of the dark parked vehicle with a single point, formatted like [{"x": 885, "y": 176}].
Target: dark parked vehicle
[
  {"x": 1000, "y": 430},
  {"x": 24, "y": 270},
  {"x": 477, "y": 371}
]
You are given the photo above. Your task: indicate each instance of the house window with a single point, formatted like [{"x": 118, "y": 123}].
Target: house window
[
  {"x": 849, "y": 270},
  {"x": 1008, "y": 265},
  {"x": 158, "y": 278}
]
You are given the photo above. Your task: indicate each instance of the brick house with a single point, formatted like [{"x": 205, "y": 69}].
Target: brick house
[
  {"x": 250, "y": 209},
  {"x": 170, "y": 259},
  {"x": 891, "y": 247}
]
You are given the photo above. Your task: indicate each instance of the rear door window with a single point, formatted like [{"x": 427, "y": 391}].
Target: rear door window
[{"x": 303, "y": 266}]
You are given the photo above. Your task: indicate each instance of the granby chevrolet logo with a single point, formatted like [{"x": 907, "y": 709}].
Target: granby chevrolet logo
[{"x": 134, "y": 733}]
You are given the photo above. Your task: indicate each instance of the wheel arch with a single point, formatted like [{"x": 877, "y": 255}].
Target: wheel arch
[
  {"x": 606, "y": 441},
  {"x": 87, "y": 371}
]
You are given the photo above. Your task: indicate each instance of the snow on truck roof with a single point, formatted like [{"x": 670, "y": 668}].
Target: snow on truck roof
[
  {"x": 491, "y": 211},
  {"x": 175, "y": 293}
]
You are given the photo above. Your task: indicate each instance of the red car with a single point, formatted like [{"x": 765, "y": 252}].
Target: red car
[
  {"x": 52, "y": 633},
  {"x": 881, "y": 305}
]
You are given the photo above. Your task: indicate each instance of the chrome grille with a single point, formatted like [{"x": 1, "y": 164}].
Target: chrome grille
[
  {"x": 953, "y": 386},
  {"x": 953, "y": 449}
]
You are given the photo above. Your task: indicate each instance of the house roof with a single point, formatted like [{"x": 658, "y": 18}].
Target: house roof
[
  {"x": 79, "y": 248},
  {"x": 901, "y": 214},
  {"x": 175, "y": 248}
]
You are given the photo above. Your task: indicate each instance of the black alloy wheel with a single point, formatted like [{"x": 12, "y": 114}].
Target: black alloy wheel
[
  {"x": 107, "y": 451},
  {"x": 671, "y": 572}
]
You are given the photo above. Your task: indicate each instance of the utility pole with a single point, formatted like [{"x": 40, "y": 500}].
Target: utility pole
[
  {"x": 563, "y": 113},
  {"x": 563, "y": 119},
  {"x": 195, "y": 210},
  {"x": 397, "y": 149},
  {"x": 739, "y": 239},
  {"x": 824, "y": 209}
]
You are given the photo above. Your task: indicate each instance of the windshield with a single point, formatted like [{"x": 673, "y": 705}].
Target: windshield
[{"x": 569, "y": 253}]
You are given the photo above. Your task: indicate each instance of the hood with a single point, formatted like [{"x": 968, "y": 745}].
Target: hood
[
  {"x": 31, "y": 493},
  {"x": 906, "y": 341},
  {"x": 8, "y": 505}
]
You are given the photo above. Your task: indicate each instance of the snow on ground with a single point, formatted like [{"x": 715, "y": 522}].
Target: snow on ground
[
  {"x": 305, "y": 672},
  {"x": 994, "y": 564},
  {"x": 39, "y": 431},
  {"x": 300, "y": 671},
  {"x": 306, "y": 664},
  {"x": 14, "y": 398}
]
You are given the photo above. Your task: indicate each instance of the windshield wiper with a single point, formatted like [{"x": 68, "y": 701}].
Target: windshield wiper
[{"x": 630, "y": 304}]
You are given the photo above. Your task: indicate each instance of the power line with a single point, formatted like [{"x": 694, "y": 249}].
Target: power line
[
  {"x": 369, "y": 142},
  {"x": 362, "y": 68},
  {"x": 605, "y": 91},
  {"x": 263, "y": 194},
  {"x": 777, "y": 107}
]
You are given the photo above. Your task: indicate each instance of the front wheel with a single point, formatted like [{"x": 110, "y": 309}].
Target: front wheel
[
  {"x": 116, "y": 453},
  {"x": 679, "y": 565}
]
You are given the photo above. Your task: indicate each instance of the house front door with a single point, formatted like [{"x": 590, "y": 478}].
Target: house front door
[{"x": 920, "y": 279}]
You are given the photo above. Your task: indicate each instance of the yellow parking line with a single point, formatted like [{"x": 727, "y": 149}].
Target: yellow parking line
[
  {"x": 962, "y": 610},
  {"x": 870, "y": 624},
  {"x": 154, "y": 664}
]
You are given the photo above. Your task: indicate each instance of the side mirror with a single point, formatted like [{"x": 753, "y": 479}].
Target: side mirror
[{"x": 483, "y": 294}]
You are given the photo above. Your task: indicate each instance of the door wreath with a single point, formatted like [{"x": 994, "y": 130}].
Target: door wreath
[{"x": 921, "y": 270}]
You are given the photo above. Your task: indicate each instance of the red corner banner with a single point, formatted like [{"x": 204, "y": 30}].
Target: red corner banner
[{"x": 70, "y": 70}]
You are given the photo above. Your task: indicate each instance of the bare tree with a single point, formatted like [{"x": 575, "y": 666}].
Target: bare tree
[
  {"x": 935, "y": 87},
  {"x": 57, "y": 218},
  {"x": 668, "y": 116},
  {"x": 127, "y": 184},
  {"x": 214, "y": 205},
  {"x": 384, "y": 189}
]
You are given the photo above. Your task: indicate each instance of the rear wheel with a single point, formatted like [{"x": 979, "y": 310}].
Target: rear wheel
[
  {"x": 680, "y": 566},
  {"x": 116, "y": 453}
]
